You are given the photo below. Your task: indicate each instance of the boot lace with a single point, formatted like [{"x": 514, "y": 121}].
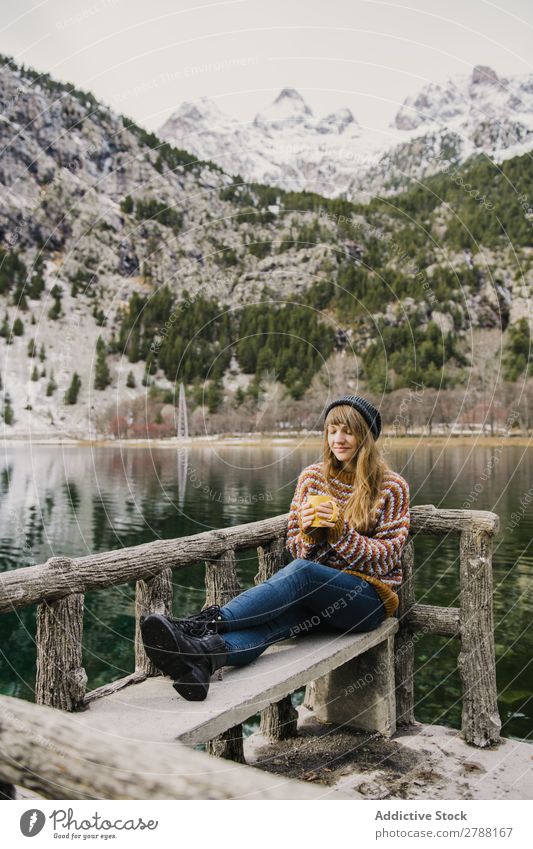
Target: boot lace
[{"x": 200, "y": 624}]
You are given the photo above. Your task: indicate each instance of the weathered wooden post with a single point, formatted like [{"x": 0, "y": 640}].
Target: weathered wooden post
[
  {"x": 60, "y": 679},
  {"x": 153, "y": 595},
  {"x": 404, "y": 651},
  {"x": 221, "y": 582},
  {"x": 481, "y": 722},
  {"x": 278, "y": 721},
  {"x": 221, "y": 585}
]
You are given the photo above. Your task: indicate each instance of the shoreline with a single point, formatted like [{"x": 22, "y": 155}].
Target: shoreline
[
  {"x": 269, "y": 441},
  {"x": 418, "y": 762}
]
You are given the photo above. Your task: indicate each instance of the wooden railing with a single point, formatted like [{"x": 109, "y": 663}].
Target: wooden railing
[
  {"x": 53, "y": 755},
  {"x": 58, "y": 588}
]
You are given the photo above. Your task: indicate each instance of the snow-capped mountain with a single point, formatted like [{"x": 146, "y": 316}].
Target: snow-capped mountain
[
  {"x": 289, "y": 110},
  {"x": 287, "y": 145}
]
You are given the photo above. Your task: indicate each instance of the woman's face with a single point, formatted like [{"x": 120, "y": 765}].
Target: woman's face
[{"x": 342, "y": 442}]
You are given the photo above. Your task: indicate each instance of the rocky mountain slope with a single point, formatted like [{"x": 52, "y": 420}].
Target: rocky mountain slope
[
  {"x": 286, "y": 145},
  {"x": 137, "y": 265},
  {"x": 100, "y": 210}
]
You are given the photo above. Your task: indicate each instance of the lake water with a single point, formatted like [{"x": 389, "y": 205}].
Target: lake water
[{"x": 74, "y": 500}]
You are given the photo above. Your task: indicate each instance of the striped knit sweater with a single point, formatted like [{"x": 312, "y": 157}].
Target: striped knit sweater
[{"x": 375, "y": 558}]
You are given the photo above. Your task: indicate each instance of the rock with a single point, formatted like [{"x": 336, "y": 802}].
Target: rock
[{"x": 128, "y": 262}]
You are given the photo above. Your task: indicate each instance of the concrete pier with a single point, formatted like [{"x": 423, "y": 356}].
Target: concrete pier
[{"x": 418, "y": 762}]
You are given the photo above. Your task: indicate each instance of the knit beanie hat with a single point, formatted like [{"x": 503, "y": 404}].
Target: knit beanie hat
[{"x": 367, "y": 410}]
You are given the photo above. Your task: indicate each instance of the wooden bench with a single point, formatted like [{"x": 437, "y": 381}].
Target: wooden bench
[{"x": 152, "y": 710}]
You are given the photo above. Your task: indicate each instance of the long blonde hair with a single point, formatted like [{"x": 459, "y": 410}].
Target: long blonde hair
[{"x": 367, "y": 464}]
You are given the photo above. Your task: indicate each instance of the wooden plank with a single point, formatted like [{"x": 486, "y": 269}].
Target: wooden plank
[{"x": 153, "y": 711}]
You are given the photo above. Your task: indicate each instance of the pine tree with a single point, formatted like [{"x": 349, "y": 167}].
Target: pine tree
[
  {"x": 36, "y": 286},
  {"x": 130, "y": 380},
  {"x": 99, "y": 315},
  {"x": 213, "y": 396},
  {"x": 32, "y": 348},
  {"x": 18, "y": 327},
  {"x": 102, "y": 376},
  {"x": 127, "y": 205},
  {"x": 42, "y": 355},
  {"x": 516, "y": 356},
  {"x": 112, "y": 345},
  {"x": 8, "y": 410},
  {"x": 35, "y": 373},
  {"x": 51, "y": 385},
  {"x": 71, "y": 395},
  {"x": 19, "y": 298},
  {"x": 55, "y": 311}
]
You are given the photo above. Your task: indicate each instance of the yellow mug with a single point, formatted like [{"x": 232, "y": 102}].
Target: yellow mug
[{"x": 315, "y": 500}]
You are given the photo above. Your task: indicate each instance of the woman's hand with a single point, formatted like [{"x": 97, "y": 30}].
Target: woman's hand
[
  {"x": 307, "y": 513},
  {"x": 325, "y": 512},
  {"x": 328, "y": 513}
]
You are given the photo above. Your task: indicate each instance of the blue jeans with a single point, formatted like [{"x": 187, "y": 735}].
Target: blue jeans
[{"x": 302, "y": 597}]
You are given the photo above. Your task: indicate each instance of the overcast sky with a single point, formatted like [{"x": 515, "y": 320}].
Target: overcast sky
[{"x": 144, "y": 57}]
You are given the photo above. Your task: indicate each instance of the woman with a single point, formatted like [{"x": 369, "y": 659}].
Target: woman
[{"x": 344, "y": 575}]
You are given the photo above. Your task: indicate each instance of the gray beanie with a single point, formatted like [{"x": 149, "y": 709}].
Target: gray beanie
[{"x": 367, "y": 410}]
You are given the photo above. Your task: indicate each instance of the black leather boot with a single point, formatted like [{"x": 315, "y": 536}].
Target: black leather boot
[
  {"x": 189, "y": 652},
  {"x": 205, "y": 655},
  {"x": 159, "y": 637},
  {"x": 160, "y": 644}
]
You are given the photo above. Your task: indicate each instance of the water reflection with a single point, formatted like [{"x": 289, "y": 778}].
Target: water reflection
[{"x": 74, "y": 501}]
